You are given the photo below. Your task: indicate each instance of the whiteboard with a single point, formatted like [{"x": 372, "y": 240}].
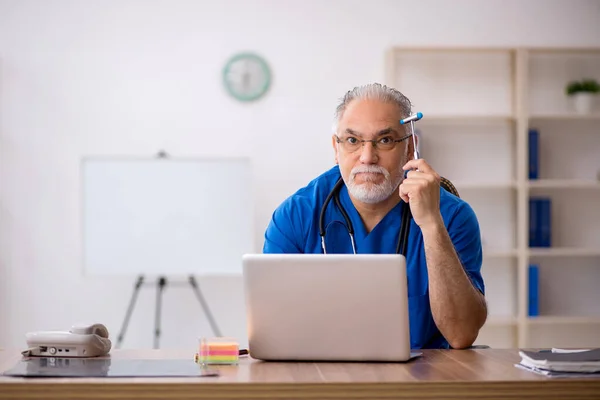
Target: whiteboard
[{"x": 166, "y": 216}]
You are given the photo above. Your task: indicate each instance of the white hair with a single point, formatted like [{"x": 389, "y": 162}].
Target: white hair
[{"x": 373, "y": 91}]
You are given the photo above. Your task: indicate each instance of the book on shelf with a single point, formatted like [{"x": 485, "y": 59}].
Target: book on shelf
[
  {"x": 534, "y": 303},
  {"x": 534, "y": 160},
  {"x": 561, "y": 362},
  {"x": 540, "y": 222}
]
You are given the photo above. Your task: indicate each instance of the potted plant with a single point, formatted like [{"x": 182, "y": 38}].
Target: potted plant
[{"x": 583, "y": 93}]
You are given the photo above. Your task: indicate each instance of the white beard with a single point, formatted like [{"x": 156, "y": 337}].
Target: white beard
[{"x": 369, "y": 192}]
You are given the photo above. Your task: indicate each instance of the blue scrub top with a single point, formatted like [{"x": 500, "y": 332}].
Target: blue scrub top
[{"x": 294, "y": 228}]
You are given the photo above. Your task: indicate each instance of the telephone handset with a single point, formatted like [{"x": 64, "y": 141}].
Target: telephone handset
[{"x": 80, "y": 341}]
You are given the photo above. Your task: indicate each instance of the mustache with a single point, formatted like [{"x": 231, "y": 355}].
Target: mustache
[{"x": 373, "y": 169}]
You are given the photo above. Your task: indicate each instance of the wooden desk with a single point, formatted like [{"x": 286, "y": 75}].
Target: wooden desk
[{"x": 438, "y": 374}]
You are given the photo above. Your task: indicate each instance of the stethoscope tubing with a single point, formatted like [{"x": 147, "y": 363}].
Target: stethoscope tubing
[{"x": 401, "y": 247}]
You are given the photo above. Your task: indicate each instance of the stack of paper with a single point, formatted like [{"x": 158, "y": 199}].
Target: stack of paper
[{"x": 561, "y": 362}]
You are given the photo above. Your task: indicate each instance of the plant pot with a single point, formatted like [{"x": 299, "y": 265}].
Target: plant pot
[{"x": 583, "y": 103}]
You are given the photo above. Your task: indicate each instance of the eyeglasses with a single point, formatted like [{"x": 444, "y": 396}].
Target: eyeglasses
[{"x": 351, "y": 143}]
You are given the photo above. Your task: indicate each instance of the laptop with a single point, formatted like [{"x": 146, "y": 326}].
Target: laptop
[{"x": 334, "y": 307}]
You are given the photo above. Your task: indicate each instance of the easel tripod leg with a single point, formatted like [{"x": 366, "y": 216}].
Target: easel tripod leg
[
  {"x": 204, "y": 304},
  {"x": 162, "y": 282},
  {"x": 136, "y": 290}
]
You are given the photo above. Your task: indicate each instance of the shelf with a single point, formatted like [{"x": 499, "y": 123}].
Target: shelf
[
  {"x": 562, "y": 51},
  {"x": 564, "y": 184},
  {"x": 563, "y": 252},
  {"x": 558, "y": 320},
  {"x": 464, "y": 119},
  {"x": 489, "y": 253},
  {"x": 565, "y": 116},
  {"x": 500, "y": 321},
  {"x": 484, "y": 185}
]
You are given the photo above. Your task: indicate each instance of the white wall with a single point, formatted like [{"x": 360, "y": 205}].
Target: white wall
[{"x": 130, "y": 77}]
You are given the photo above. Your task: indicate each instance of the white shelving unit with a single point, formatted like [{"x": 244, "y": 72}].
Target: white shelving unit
[
  {"x": 564, "y": 252},
  {"x": 564, "y": 184},
  {"x": 478, "y": 106}
]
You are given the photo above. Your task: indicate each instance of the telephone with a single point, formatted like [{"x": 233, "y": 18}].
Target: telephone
[{"x": 80, "y": 341}]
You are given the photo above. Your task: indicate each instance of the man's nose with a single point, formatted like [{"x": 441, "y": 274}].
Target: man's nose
[{"x": 368, "y": 153}]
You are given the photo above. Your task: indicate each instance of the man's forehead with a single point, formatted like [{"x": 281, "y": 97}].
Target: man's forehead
[
  {"x": 379, "y": 132},
  {"x": 370, "y": 126}
]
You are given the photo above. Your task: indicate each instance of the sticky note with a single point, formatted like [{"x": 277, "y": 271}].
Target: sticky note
[{"x": 218, "y": 351}]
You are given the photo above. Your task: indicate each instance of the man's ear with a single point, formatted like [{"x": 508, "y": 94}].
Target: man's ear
[{"x": 335, "y": 149}]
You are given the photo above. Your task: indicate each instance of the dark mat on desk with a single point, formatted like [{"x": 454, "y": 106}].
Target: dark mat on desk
[{"x": 56, "y": 367}]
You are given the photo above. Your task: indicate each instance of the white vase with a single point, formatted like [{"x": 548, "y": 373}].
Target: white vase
[{"x": 583, "y": 102}]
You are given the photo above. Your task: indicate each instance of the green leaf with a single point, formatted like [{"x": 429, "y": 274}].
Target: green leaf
[{"x": 586, "y": 85}]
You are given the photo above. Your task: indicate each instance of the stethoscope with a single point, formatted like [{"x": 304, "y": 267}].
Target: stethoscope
[{"x": 401, "y": 245}]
